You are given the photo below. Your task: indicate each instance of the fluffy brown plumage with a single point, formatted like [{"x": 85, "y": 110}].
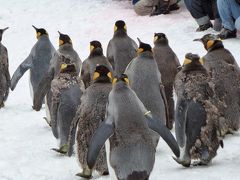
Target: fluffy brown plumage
[{"x": 193, "y": 84}]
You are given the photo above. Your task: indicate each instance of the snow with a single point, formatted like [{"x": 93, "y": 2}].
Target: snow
[{"x": 26, "y": 139}]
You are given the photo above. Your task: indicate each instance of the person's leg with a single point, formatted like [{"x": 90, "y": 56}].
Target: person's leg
[
  {"x": 224, "y": 8},
  {"x": 144, "y": 7},
  {"x": 227, "y": 10},
  {"x": 217, "y": 26},
  {"x": 196, "y": 9}
]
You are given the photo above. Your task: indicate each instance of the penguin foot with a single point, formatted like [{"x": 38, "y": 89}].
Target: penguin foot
[
  {"x": 62, "y": 150},
  {"x": 86, "y": 173},
  {"x": 182, "y": 162},
  {"x": 48, "y": 122},
  {"x": 2, "y": 105},
  {"x": 105, "y": 173},
  {"x": 200, "y": 163}
]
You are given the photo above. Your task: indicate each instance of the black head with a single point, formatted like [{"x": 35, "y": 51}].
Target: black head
[
  {"x": 120, "y": 25},
  {"x": 64, "y": 39},
  {"x": 96, "y": 47},
  {"x": 102, "y": 73},
  {"x": 210, "y": 40},
  {"x": 40, "y": 32},
  {"x": 143, "y": 47},
  {"x": 160, "y": 38},
  {"x": 192, "y": 62},
  {"x": 1, "y": 32},
  {"x": 121, "y": 78}
]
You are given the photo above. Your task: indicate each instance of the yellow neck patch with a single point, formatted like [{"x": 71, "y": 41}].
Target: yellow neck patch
[
  {"x": 155, "y": 38},
  {"x": 187, "y": 61},
  {"x": 125, "y": 27},
  {"x": 61, "y": 42},
  {"x": 95, "y": 75},
  {"x": 38, "y": 35},
  {"x": 91, "y": 48},
  {"x": 115, "y": 28},
  {"x": 114, "y": 81},
  {"x": 109, "y": 75},
  {"x": 63, "y": 66},
  {"x": 126, "y": 81},
  {"x": 201, "y": 60},
  {"x": 140, "y": 50},
  {"x": 210, "y": 43}
]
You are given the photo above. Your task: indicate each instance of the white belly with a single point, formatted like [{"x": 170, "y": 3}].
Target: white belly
[
  {"x": 47, "y": 110},
  {"x": 110, "y": 169}
]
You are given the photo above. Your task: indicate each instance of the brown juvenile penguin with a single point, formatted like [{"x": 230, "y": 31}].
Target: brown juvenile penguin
[
  {"x": 225, "y": 73},
  {"x": 197, "y": 118}
]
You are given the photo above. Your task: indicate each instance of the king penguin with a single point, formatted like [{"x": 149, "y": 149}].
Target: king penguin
[
  {"x": 4, "y": 72},
  {"x": 65, "y": 50},
  {"x": 88, "y": 118},
  {"x": 95, "y": 58},
  {"x": 127, "y": 125},
  {"x": 38, "y": 61},
  {"x": 121, "y": 48},
  {"x": 168, "y": 65},
  {"x": 196, "y": 116},
  {"x": 145, "y": 80},
  {"x": 225, "y": 73},
  {"x": 67, "y": 89}
]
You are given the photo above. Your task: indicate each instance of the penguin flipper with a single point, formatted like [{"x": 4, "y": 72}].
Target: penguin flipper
[
  {"x": 162, "y": 91},
  {"x": 7, "y": 75},
  {"x": 22, "y": 68},
  {"x": 104, "y": 131},
  {"x": 110, "y": 54},
  {"x": 43, "y": 87},
  {"x": 54, "y": 110},
  {"x": 164, "y": 132}
]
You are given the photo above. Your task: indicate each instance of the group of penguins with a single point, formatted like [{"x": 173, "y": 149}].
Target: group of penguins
[{"x": 115, "y": 108}]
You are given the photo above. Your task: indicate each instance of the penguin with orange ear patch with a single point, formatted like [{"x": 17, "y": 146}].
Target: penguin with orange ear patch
[
  {"x": 90, "y": 114},
  {"x": 38, "y": 61},
  {"x": 196, "y": 114},
  {"x": 225, "y": 73}
]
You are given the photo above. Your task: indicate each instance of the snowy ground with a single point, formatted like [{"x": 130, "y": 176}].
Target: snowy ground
[{"x": 26, "y": 140}]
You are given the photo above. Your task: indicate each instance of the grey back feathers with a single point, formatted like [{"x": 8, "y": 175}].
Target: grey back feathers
[
  {"x": 145, "y": 80},
  {"x": 4, "y": 72},
  {"x": 38, "y": 62},
  {"x": 120, "y": 51},
  {"x": 168, "y": 65}
]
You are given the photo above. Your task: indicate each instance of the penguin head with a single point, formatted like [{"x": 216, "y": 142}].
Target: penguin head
[
  {"x": 96, "y": 48},
  {"x": 102, "y": 73},
  {"x": 210, "y": 41},
  {"x": 160, "y": 38},
  {"x": 40, "y": 32},
  {"x": 1, "y": 32},
  {"x": 121, "y": 26},
  {"x": 64, "y": 39},
  {"x": 192, "y": 62},
  {"x": 123, "y": 79},
  {"x": 143, "y": 47},
  {"x": 67, "y": 66}
]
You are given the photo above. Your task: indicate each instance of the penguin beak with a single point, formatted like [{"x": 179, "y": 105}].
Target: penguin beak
[
  {"x": 34, "y": 27},
  {"x": 200, "y": 40},
  {"x": 139, "y": 41},
  {"x": 59, "y": 33},
  {"x": 5, "y": 29}
]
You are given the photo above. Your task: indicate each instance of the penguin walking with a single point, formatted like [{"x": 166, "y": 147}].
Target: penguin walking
[
  {"x": 94, "y": 59},
  {"x": 38, "y": 61},
  {"x": 145, "y": 80},
  {"x": 121, "y": 48},
  {"x": 225, "y": 73},
  {"x": 196, "y": 116},
  {"x": 127, "y": 125},
  {"x": 67, "y": 89},
  {"x": 4, "y": 72},
  {"x": 90, "y": 114},
  {"x": 168, "y": 65},
  {"x": 65, "y": 50}
]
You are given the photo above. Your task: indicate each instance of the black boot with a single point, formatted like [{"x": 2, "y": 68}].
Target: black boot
[
  {"x": 226, "y": 33},
  {"x": 174, "y": 7},
  {"x": 204, "y": 27},
  {"x": 161, "y": 8}
]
